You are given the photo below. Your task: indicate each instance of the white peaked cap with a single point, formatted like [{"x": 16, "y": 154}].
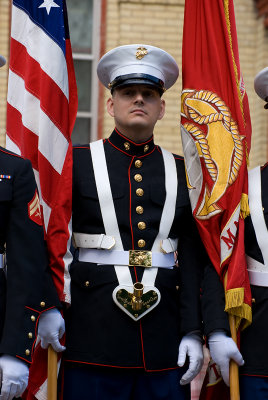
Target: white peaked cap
[
  {"x": 2, "y": 61},
  {"x": 137, "y": 64},
  {"x": 261, "y": 83}
]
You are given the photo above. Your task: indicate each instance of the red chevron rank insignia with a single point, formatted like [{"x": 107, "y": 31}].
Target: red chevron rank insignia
[{"x": 34, "y": 210}]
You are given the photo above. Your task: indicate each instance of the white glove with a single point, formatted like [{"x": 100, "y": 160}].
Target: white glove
[
  {"x": 51, "y": 328},
  {"x": 14, "y": 375},
  {"x": 222, "y": 349},
  {"x": 191, "y": 345}
]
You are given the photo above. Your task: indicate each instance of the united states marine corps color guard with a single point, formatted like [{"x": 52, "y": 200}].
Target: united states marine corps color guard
[
  {"x": 27, "y": 294},
  {"x": 254, "y": 347},
  {"x": 132, "y": 309}
]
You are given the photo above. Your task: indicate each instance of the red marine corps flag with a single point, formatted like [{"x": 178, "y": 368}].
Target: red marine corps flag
[
  {"x": 216, "y": 132},
  {"x": 41, "y": 111}
]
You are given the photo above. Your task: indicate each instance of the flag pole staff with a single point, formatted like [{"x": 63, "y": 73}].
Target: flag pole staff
[
  {"x": 52, "y": 374},
  {"x": 234, "y": 375}
]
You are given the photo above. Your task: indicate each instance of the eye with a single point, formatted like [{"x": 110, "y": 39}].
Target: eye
[{"x": 128, "y": 92}]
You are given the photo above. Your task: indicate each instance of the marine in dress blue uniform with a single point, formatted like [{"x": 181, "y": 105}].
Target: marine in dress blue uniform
[
  {"x": 254, "y": 347},
  {"x": 122, "y": 340},
  {"x": 26, "y": 287}
]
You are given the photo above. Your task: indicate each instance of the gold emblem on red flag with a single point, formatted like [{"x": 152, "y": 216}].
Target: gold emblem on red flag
[
  {"x": 218, "y": 142},
  {"x": 34, "y": 210}
]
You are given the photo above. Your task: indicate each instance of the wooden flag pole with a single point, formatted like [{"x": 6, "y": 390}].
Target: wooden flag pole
[
  {"x": 52, "y": 374},
  {"x": 234, "y": 375}
]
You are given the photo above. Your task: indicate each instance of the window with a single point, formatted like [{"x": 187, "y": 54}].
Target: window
[{"x": 84, "y": 22}]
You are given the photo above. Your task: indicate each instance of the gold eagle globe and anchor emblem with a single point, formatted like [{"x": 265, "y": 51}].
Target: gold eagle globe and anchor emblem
[
  {"x": 141, "y": 52},
  {"x": 220, "y": 146}
]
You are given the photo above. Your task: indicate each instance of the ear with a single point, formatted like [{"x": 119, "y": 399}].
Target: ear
[
  {"x": 162, "y": 109},
  {"x": 110, "y": 106}
]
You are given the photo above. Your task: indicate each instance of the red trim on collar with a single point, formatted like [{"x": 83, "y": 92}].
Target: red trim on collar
[
  {"x": 131, "y": 155},
  {"x": 131, "y": 141},
  {"x": 12, "y": 154}
]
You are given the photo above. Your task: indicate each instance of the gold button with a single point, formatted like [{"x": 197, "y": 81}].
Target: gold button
[
  {"x": 33, "y": 318},
  {"x": 87, "y": 284},
  {"x": 139, "y": 192},
  {"x": 139, "y": 210},
  {"x": 141, "y": 225},
  {"x": 27, "y": 352},
  {"x": 127, "y": 145},
  {"x": 146, "y": 148},
  {"x": 141, "y": 243},
  {"x": 138, "y": 178},
  {"x": 30, "y": 335},
  {"x": 42, "y": 304},
  {"x": 253, "y": 300},
  {"x": 138, "y": 163}
]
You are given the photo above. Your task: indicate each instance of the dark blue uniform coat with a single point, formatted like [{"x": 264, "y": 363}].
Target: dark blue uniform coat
[
  {"x": 254, "y": 344},
  {"x": 97, "y": 331},
  {"x": 26, "y": 287}
]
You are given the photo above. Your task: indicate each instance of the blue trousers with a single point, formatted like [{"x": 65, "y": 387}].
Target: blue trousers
[
  {"x": 253, "y": 388},
  {"x": 86, "y": 383}
]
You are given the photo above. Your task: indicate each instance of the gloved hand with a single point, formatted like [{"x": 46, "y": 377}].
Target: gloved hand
[
  {"x": 14, "y": 375},
  {"x": 51, "y": 328},
  {"x": 222, "y": 349},
  {"x": 191, "y": 345}
]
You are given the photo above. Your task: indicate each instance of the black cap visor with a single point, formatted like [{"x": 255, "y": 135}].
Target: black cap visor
[{"x": 137, "y": 79}]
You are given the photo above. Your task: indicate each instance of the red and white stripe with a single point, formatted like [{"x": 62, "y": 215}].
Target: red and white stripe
[{"x": 39, "y": 124}]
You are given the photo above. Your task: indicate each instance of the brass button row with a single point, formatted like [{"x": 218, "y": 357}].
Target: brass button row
[
  {"x": 30, "y": 335},
  {"x": 140, "y": 193}
]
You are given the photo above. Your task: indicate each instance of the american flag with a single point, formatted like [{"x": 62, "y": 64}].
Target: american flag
[{"x": 41, "y": 111}]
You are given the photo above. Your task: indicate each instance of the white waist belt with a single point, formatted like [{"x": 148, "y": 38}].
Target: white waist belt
[
  {"x": 127, "y": 258},
  {"x": 257, "y": 272},
  {"x": 258, "y": 278}
]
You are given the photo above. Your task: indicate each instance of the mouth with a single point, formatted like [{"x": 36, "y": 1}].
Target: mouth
[{"x": 138, "y": 111}]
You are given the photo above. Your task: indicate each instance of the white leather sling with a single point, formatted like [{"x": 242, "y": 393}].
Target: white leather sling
[
  {"x": 258, "y": 272},
  {"x": 111, "y": 224}
]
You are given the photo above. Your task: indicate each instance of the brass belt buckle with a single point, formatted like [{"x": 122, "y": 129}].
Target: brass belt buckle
[{"x": 140, "y": 258}]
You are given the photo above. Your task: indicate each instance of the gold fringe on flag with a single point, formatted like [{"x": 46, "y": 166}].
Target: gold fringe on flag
[
  {"x": 234, "y": 304},
  {"x": 244, "y": 206}
]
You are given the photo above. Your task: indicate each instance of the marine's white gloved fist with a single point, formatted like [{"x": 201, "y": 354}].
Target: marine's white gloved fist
[
  {"x": 222, "y": 349},
  {"x": 191, "y": 345},
  {"x": 51, "y": 328},
  {"x": 14, "y": 375}
]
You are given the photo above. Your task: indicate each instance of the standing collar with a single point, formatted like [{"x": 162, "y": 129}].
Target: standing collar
[{"x": 124, "y": 144}]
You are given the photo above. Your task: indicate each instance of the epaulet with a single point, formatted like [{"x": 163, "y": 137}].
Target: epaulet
[
  {"x": 6, "y": 151},
  {"x": 84, "y": 146},
  {"x": 81, "y": 146},
  {"x": 178, "y": 157},
  {"x": 264, "y": 166}
]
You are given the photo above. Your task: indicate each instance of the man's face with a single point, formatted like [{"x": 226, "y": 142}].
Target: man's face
[{"x": 136, "y": 107}]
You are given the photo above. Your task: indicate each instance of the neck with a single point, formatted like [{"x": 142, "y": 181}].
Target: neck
[{"x": 136, "y": 135}]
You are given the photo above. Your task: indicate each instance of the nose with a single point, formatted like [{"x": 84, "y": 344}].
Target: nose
[{"x": 139, "y": 98}]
